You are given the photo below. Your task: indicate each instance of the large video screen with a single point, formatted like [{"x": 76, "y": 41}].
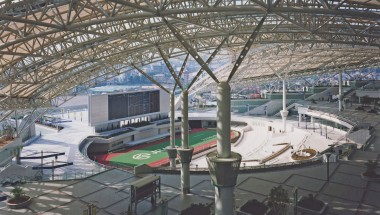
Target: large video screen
[{"x": 133, "y": 104}]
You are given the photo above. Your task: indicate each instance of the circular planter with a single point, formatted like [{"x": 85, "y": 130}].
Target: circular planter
[
  {"x": 23, "y": 204},
  {"x": 373, "y": 179},
  {"x": 312, "y": 154}
]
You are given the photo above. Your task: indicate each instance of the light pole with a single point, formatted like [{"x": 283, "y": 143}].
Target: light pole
[
  {"x": 328, "y": 154},
  {"x": 326, "y": 131}
]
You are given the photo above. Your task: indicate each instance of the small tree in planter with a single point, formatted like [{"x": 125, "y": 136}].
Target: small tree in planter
[
  {"x": 371, "y": 169},
  {"x": 278, "y": 200},
  {"x": 311, "y": 205},
  {"x": 198, "y": 209},
  {"x": 19, "y": 198},
  {"x": 253, "y": 207}
]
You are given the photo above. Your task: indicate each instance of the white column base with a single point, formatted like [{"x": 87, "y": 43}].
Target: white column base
[
  {"x": 284, "y": 115},
  {"x": 172, "y": 163},
  {"x": 224, "y": 201},
  {"x": 185, "y": 178},
  {"x": 340, "y": 102}
]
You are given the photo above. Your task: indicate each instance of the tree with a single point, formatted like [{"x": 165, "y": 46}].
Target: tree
[
  {"x": 371, "y": 167},
  {"x": 278, "y": 200},
  {"x": 17, "y": 194},
  {"x": 198, "y": 209}
]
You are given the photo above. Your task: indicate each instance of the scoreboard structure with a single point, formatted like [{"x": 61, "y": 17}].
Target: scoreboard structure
[
  {"x": 133, "y": 104},
  {"x": 112, "y": 108}
]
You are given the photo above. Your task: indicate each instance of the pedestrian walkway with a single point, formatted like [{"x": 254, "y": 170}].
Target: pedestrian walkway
[{"x": 67, "y": 141}]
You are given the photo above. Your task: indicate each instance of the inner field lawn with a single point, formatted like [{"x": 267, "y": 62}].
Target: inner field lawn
[{"x": 154, "y": 153}]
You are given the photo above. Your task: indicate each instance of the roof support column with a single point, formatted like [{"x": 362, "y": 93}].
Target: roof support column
[
  {"x": 172, "y": 151},
  {"x": 340, "y": 96},
  {"x": 223, "y": 123},
  {"x": 284, "y": 112},
  {"x": 185, "y": 152},
  {"x": 18, "y": 152},
  {"x": 224, "y": 164}
]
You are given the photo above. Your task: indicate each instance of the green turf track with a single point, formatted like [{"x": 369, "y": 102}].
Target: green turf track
[{"x": 157, "y": 151}]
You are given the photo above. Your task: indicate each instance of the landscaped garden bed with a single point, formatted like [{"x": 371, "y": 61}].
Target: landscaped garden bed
[
  {"x": 370, "y": 173},
  {"x": 311, "y": 205},
  {"x": 5, "y": 140},
  {"x": 277, "y": 204},
  {"x": 304, "y": 154},
  {"x": 253, "y": 207},
  {"x": 198, "y": 209},
  {"x": 235, "y": 136}
]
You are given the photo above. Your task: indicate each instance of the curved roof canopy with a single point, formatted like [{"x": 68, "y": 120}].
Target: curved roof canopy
[{"x": 47, "y": 47}]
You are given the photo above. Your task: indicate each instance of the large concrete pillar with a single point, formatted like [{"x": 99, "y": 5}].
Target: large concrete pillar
[
  {"x": 284, "y": 112},
  {"x": 340, "y": 97},
  {"x": 299, "y": 119},
  {"x": 18, "y": 149},
  {"x": 224, "y": 164},
  {"x": 172, "y": 151},
  {"x": 223, "y": 112},
  {"x": 185, "y": 120},
  {"x": 185, "y": 152}
]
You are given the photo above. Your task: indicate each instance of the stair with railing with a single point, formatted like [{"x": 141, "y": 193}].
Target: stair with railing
[
  {"x": 242, "y": 105},
  {"x": 289, "y": 104},
  {"x": 260, "y": 110},
  {"x": 349, "y": 93},
  {"x": 324, "y": 95},
  {"x": 276, "y": 112}
]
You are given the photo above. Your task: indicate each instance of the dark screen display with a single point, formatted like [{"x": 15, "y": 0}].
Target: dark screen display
[{"x": 133, "y": 104}]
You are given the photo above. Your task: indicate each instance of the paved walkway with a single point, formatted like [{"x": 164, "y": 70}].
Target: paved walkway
[
  {"x": 67, "y": 140},
  {"x": 346, "y": 192}
]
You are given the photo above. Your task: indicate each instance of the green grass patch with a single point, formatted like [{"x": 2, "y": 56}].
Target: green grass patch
[{"x": 157, "y": 151}]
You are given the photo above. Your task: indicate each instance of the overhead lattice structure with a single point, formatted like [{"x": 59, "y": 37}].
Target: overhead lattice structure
[
  {"x": 275, "y": 62},
  {"x": 47, "y": 47}
]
